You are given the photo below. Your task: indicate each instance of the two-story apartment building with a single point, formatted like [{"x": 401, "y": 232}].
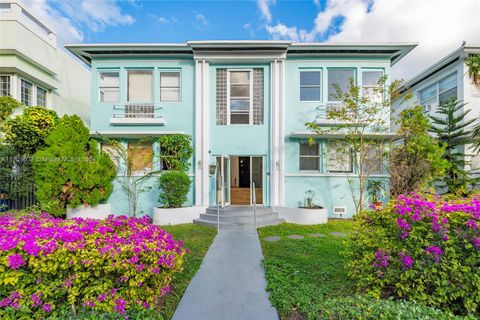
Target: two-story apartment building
[
  {"x": 34, "y": 69},
  {"x": 244, "y": 103},
  {"x": 446, "y": 79}
]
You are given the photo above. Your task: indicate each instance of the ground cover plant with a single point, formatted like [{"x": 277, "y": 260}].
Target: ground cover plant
[
  {"x": 49, "y": 265},
  {"x": 420, "y": 248}
]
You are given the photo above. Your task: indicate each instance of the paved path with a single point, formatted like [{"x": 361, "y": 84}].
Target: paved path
[{"x": 230, "y": 284}]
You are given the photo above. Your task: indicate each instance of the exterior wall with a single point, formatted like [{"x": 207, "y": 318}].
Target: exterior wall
[
  {"x": 28, "y": 50},
  {"x": 331, "y": 189}
]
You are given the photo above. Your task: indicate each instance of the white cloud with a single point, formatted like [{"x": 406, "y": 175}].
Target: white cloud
[
  {"x": 201, "y": 22},
  {"x": 68, "y": 18},
  {"x": 264, "y": 7},
  {"x": 163, "y": 20},
  {"x": 439, "y": 26}
]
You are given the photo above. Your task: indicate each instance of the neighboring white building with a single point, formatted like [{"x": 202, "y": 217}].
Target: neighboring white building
[
  {"x": 445, "y": 79},
  {"x": 34, "y": 70}
]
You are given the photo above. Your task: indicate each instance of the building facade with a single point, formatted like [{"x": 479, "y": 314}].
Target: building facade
[
  {"x": 446, "y": 79},
  {"x": 34, "y": 69},
  {"x": 245, "y": 105}
]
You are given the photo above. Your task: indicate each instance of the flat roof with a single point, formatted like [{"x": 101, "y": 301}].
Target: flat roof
[{"x": 395, "y": 51}]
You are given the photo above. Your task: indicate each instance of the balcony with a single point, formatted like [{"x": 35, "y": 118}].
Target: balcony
[
  {"x": 137, "y": 114},
  {"x": 322, "y": 118}
]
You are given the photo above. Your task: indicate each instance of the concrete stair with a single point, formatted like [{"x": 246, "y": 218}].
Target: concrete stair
[{"x": 239, "y": 217}]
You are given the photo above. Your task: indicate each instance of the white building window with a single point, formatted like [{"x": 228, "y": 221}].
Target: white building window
[
  {"x": 339, "y": 157},
  {"x": 26, "y": 92},
  {"x": 340, "y": 78},
  {"x": 170, "y": 86},
  {"x": 41, "y": 97},
  {"x": 309, "y": 156},
  {"x": 240, "y": 97},
  {"x": 370, "y": 87},
  {"x": 310, "y": 85},
  {"x": 5, "y": 86},
  {"x": 109, "y": 87},
  {"x": 140, "y": 86},
  {"x": 374, "y": 159},
  {"x": 438, "y": 92}
]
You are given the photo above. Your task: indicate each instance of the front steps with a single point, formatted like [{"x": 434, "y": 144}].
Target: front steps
[{"x": 239, "y": 217}]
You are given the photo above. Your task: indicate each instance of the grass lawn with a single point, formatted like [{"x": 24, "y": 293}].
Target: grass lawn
[
  {"x": 197, "y": 239},
  {"x": 302, "y": 273}
]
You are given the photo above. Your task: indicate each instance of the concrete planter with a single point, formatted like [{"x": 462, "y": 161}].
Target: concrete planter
[
  {"x": 303, "y": 215},
  {"x": 101, "y": 211},
  {"x": 166, "y": 216}
]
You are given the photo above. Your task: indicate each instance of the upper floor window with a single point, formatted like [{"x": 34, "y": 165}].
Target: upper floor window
[
  {"x": 140, "y": 87},
  {"x": 309, "y": 156},
  {"x": 439, "y": 92},
  {"x": 4, "y": 86},
  {"x": 140, "y": 158},
  {"x": 109, "y": 87},
  {"x": 26, "y": 92},
  {"x": 370, "y": 85},
  {"x": 340, "y": 78},
  {"x": 339, "y": 157},
  {"x": 310, "y": 85},
  {"x": 170, "y": 86},
  {"x": 41, "y": 97},
  {"x": 240, "y": 97}
]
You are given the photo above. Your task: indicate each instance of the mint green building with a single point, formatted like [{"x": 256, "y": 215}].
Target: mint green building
[{"x": 245, "y": 105}]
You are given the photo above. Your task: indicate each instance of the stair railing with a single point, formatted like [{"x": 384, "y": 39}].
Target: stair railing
[{"x": 254, "y": 202}]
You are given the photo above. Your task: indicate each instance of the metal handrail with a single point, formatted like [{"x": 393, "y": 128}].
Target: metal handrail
[{"x": 254, "y": 202}]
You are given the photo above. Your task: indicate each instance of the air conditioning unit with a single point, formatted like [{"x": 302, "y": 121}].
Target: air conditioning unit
[{"x": 339, "y": 211}]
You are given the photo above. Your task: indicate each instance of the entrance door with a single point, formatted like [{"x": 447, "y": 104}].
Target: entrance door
[
  {"x": 223, "y": 181},
  {"x": 246, "y": 172}
]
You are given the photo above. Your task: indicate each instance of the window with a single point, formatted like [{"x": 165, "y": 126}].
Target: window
[
  {"x": 310, "y": 87},
  {"x": 41, "y": 97},
  {"x": 447, "y": 88},
  {"x": 112, "y": 152},
  {"x": 140, "y": 158},
  {"x": 26, "y": 93},
  {"x": 374, "y": 158},
  {"x": 339, "y": 157},
  {"x": 109, "y": 87},
  {"x": 340, "y": 77},
  {"x": 240, "y": 97},
  {"x": 309, "y": 157},
  {"x": 439, "y": 92},
  {"x": 170, "y": 86},
  {"x": 371, "y": 87},
  {"x": 4, "y": 86},
  {"x": 140, "y": 86}
]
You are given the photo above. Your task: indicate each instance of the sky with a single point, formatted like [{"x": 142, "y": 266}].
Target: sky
[{"x": 438, "y": 26}]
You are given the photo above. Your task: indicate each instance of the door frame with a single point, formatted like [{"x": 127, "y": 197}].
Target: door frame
[{"x": 224, "y": 187}]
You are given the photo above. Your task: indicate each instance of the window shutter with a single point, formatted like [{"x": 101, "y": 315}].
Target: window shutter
[
  {"x": 221, "y": 95},
  {"x": 258, "y": 96}
]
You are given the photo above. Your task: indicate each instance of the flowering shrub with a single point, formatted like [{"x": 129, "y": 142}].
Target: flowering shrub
[
  {"x": 48, "y": 263},
  {"x": 427, "y": 250}
]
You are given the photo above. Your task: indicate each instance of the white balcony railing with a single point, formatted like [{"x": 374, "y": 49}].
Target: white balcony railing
[
  {"x": 323, "y": 118},
  {"x": 137, "y": 114}
]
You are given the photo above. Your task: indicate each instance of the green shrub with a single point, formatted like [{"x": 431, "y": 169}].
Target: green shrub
[
  {"x": 7, "y": 106},
  {"x": 369, "y": 309},
  {"x": 175, "y": 151},
  {"x": 71, "y": 171},
  {"x": 174, "y": 187},
  {"x": 121, "y": 266},
  {"x": 420, "y": 249}
]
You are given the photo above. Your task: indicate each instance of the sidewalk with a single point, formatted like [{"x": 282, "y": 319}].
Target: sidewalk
[{"x": 230, "y": 284}]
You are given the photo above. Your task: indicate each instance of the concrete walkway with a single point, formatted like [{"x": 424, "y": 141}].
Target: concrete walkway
[{"x": 230, "y": 284}]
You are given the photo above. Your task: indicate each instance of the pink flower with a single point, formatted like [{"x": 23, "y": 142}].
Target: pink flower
[
  {"x": 47, "y": 307},
  {"x": 471, "y": 224},
  {"x": 15, "y": 261}
]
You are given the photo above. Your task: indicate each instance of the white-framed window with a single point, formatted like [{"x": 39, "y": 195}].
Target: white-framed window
[
  {"x": 374, "y": 159},
  {"x": 439, "y": 92},
  {"x": 309, "y": 156},
  {"x": 140, "y": 86},
  {"x": 370, "y": 85},
  {"x": 170, "y": 86},
  {"x": 41, "y": 97},
  {"x": 109, "y": 86},
  {"x": 310, "y": 85},
  {"x": 140, "y": 158},
  {"x": 26, "y": 90},
  {"x": 339, "y": 156},
  {"x": 341, "y": 78},
  {"x": 5, "y": 86},
  {"x": 239, "y": 97}
]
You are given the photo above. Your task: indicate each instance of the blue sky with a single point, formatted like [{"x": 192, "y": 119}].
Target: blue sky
[{"x": 438, "y": 26}]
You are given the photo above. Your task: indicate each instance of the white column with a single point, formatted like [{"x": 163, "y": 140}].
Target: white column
[
  {"x": 202, "y": 133},
  {"x": 281, "y": 133}
]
